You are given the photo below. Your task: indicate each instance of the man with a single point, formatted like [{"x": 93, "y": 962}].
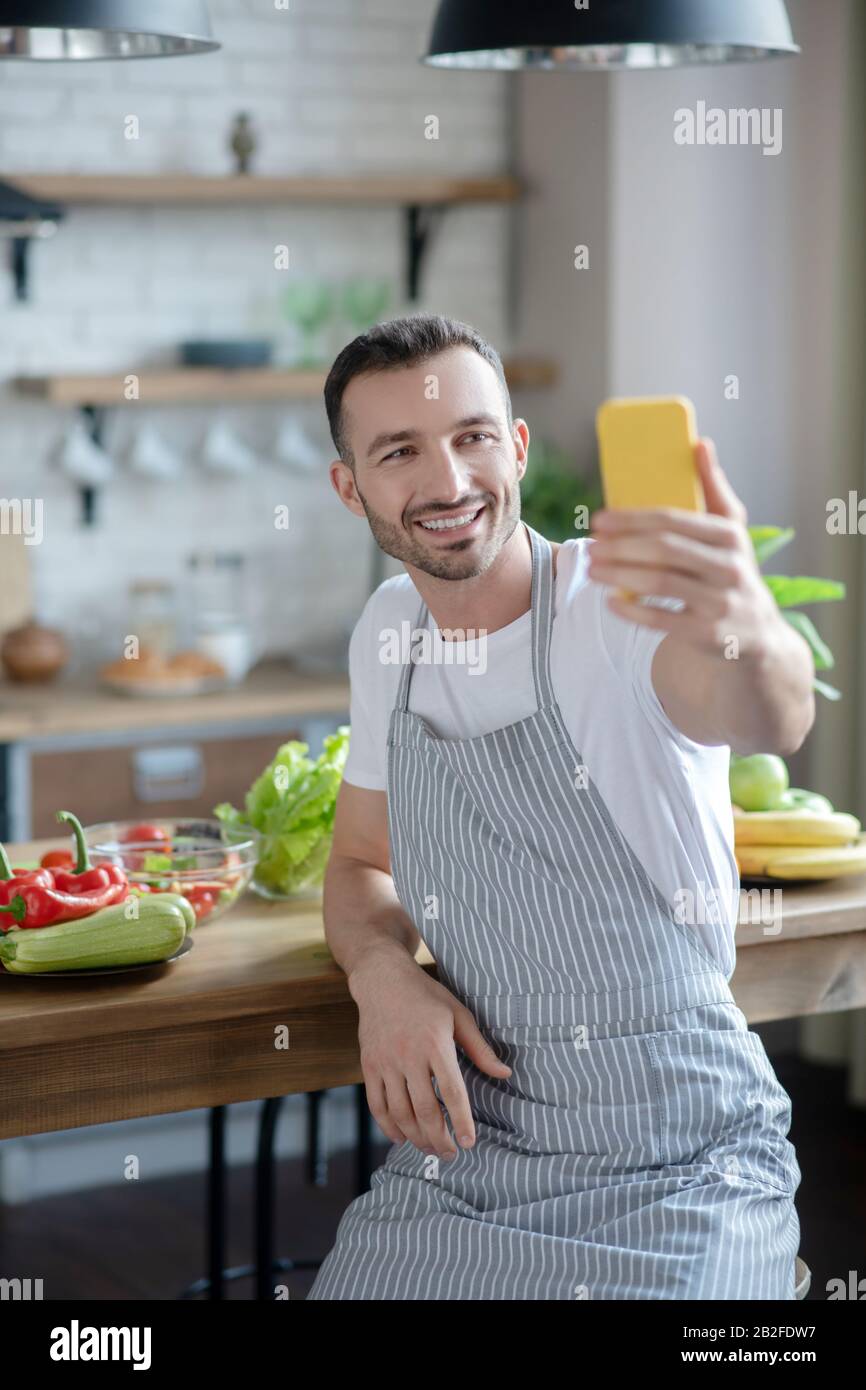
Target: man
[{"x": 576, "y": 1104}]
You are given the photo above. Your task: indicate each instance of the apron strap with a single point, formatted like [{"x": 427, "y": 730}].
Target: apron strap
[
  {"x": 406, "y": 673},
  {"x": 542, "y": 616}
]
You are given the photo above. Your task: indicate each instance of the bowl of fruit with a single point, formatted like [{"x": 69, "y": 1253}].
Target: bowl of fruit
[
  {"x": 785, "y": 834},
  {"x": 209, "y": 863}
]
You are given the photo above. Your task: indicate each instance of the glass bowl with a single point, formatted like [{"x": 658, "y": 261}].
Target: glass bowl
[{"x": 203, "y": 859}]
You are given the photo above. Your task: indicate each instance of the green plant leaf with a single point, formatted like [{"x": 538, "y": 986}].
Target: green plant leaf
[
  {"x": 821, "y": 653},
  {"x": 829, "y": 691},
  {"x": 550, "y": 490},
  {"x": 790, "y": 591},
  {"x": 768, "y": 539}
]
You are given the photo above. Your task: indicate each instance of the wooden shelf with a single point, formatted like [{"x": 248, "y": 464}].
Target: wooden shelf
[
  {"x": 188, "y": 385},
  {"x": 408, "y": 189},
  {"x": 424, "y": 199}
]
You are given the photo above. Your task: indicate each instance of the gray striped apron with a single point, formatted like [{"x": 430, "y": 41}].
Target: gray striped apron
[{"x": 639, "y": 1148}]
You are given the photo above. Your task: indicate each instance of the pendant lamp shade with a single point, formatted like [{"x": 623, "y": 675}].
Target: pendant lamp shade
[
  {"x": 556, "y": 34},
  {"x": 89, "y": 29}
]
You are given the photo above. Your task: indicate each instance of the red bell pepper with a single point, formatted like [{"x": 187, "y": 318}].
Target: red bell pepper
[
  {"x": 36, "y": 906},
  {"x": 68, "y": 896},
  {"x": 84, "y": 878},
  {"x": 11, "y": 883}
]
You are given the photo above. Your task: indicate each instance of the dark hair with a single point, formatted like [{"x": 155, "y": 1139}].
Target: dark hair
[{"x": 400, "y": 342}]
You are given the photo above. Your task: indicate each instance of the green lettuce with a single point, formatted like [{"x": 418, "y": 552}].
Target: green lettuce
[{"x": 292, "y": 806}]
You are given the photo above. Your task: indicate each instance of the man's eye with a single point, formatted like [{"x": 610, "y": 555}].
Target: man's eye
[
  {"x": 395, "y": 454},
  {"x": 480, "y": 434}
]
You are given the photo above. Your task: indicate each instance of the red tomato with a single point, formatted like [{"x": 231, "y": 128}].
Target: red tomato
[
  {"x": 57, "y": 859},
  {"x": 203, "y": 899},
  {"x": 147, "y": 834}
]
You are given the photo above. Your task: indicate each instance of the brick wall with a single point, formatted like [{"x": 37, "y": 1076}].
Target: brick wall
[{"x": 334, "y": 86}]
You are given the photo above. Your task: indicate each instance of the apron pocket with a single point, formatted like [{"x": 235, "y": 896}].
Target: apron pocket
[{"x": 721, "y": 1103}]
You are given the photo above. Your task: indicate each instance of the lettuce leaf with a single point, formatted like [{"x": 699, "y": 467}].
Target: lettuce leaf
[{"x": 292, "y": 805}]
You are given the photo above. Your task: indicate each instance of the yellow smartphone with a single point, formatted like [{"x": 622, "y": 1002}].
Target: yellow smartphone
[{"x": 647, "y": 454}]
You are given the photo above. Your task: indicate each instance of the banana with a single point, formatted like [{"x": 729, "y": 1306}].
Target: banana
[
  {"x": 799, "y": 861},
  {"x": 794, "y": 828}
]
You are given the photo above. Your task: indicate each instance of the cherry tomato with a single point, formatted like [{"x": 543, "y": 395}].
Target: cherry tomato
[
  {"x": 203, "y": 899},
  {"x": 147, "y": 834},
  {"x": 57, "y": 859}
]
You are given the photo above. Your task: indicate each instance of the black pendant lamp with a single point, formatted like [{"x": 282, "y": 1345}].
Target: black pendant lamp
[
  {"x": 556, "y": 34},
  {"x": 87, "y": 29}
]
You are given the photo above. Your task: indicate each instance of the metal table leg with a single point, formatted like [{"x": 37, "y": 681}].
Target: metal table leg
[
  {"x": 214, "y": 1284},
  {"x": 364, "y": 1141},
  {"x": 216, "y": 1201},
  {"x": 317, "y": 1158}
]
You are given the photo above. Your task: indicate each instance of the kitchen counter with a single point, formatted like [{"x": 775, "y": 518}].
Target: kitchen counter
[
  {"x": 273, "y": 688},
  {"x": 50, "y": 734},
  {"x": 200, "y": 1032}
]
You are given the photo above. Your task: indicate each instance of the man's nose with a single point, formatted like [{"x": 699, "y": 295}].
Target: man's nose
[{"x": 450, "y": 477}]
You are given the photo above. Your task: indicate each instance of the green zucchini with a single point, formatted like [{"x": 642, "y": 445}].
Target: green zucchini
[
  {"x": 186, "y": 907},
  {"x": 107, "y": 937}
]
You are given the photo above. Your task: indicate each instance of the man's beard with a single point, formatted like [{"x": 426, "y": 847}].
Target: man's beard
[{"x": 453, "y": 564}]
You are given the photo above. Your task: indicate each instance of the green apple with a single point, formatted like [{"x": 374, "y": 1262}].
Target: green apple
[
  {"x": 758, "y": 782},
  {"x": 799, "y": 799}
]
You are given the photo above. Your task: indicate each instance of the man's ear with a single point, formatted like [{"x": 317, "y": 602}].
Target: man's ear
[
  {"x": 520, "y": 435},
  {"x": 343, "y": 483}
]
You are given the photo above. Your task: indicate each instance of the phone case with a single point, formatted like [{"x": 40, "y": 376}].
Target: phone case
[{"x": 646, "y": 453}]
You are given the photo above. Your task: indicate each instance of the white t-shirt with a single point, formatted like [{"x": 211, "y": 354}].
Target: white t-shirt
[{"x": 669, "y": 795}]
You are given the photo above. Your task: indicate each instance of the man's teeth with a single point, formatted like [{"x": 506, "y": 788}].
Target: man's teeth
[{"x": 450, "y": 523}]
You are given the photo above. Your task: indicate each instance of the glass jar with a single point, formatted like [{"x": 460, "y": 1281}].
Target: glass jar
[
  {"x": 218, "y": 610},
  {"x": 153, "y": 615}
]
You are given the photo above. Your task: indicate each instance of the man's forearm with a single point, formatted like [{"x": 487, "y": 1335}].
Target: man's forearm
[
  {"x": 363, "y": 915},
  {"x": 765, "y": 703},
  {"x": 761, "y": 702}
]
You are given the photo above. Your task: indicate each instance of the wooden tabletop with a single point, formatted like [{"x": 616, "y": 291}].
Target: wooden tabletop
[
  {"x": 272, "y": 689},
  {"x": 208, "y": 1029}
]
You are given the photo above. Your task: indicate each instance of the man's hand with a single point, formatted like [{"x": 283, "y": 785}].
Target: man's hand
[
  {"x": 409, "y": 1025},
  {"x": 731, "y": 670}
]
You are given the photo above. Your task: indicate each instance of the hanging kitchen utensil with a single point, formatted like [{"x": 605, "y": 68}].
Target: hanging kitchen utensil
[
  {"x": 51, "y": 30},
  {"x": 148, "y": 454},
  {"x": 294, "y": 448},
  {"x": 622, "y": 34},
  {"x": 80, "y": 457},
  {"x": 222, "y": 451}
]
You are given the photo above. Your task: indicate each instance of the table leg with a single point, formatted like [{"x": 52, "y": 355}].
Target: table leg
[
  {"x": 264, "y": 1216},
  {"x": 364, "y": 1142},
  {"x": 216, "y": 1198},
  {"x": 317, "y": 1159}
]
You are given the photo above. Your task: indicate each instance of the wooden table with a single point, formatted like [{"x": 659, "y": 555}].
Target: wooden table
[
  {"x": 205, "y": 1030},
  {"x": 201, "y": 1032}
]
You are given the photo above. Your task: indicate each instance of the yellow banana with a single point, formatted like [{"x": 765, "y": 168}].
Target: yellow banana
[
  {"x": 802, "y": 861},
  {"x": 794, "y": 828}
]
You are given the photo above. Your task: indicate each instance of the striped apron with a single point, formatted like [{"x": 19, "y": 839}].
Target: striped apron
[{"x": 639, "y": 1148}]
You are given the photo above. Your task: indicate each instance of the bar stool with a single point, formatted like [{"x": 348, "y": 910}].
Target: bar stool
[{"x": 802, "y": 1278}]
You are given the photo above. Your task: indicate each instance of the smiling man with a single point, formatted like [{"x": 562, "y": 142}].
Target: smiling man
[{"x": 576, "y": 1105}]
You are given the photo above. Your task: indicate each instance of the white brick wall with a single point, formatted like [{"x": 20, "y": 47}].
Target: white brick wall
[{"x": 334, "y": 86}]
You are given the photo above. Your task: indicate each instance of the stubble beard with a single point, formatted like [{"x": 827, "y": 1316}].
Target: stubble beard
[{"x": 453, "y": 564}]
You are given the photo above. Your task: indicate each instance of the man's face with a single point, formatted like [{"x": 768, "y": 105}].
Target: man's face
[{"x": 432, "y": 446}]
